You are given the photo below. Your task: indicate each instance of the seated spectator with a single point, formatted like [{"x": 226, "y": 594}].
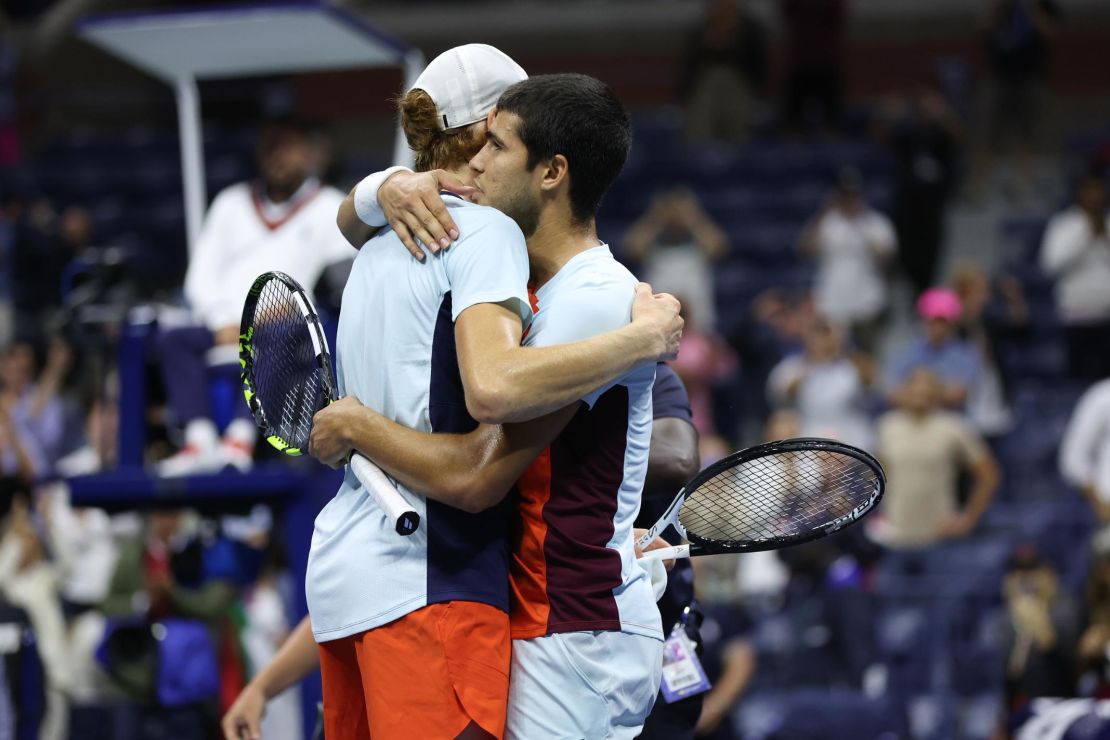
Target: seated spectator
[
  {"x": 175, "y": 573},
  {"x": 723, "y": 69},
  {"x": 29, "y": 580},
  {"x": 853, "y": 244},
  {"x": 284, "y": 222},
  {"x": 1085, "y": 449},
  {"x": 703, "y": 360},
  {"x": 1040, "y": 632},
  {"x": 923, "y": 449},
  {"x": 828, "y": 386},
  {"x": 940, "y": 349},
  {"x": 676, "y": 242},
  {"x": 1075, "y": 252},
  {"x": 1094, "y": 644},
  {"x": 771, "y": 329},
  {"x": 992, "y": 314},
  {"x": 33, "y": 402}
]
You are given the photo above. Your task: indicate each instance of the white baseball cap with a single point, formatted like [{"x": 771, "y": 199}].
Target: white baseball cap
[{"x": 466, "y": 81}]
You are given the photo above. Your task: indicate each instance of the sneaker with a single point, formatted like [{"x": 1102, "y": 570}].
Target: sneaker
[
  {"x": 238, "y": 455},
  {"x": 192, "y": 460}
]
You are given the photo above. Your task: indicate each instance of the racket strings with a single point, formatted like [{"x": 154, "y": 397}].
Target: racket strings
[
  {"x": 780, "y": 496},
  {"x": 290, "y": 385}
]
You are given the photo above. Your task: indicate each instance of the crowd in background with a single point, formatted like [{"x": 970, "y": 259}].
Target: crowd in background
[{"x": 938, "y": 404}]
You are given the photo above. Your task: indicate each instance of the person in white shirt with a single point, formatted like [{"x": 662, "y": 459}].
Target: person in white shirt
[
  {"x": 1085, "y": 450},
  {"x": 1075, "y": 252},
  {"x": 285, "y": 221},
  {"x": 829, "y": 387},
  {"x": 852, "y": 243}
]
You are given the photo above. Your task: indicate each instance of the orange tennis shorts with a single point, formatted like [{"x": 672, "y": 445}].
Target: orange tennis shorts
[{"x": 428, "y": 674}]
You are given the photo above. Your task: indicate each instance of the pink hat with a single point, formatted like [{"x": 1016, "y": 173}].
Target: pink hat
[{"x": 939, "y": 303}]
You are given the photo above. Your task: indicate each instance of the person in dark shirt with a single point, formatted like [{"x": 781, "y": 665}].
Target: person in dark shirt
[
  {"x": 672, "y": 461},
  {"x": 1017, "y": 41},
  {"x": 723, "y": 70}
]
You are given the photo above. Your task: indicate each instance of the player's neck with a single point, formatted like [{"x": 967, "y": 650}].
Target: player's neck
[{"x": 554, "y": 243}]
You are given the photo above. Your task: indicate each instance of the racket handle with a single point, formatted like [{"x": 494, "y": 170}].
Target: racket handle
[
  {"x": 667, "y": 553},
  {"x": 404, "y": 517}
]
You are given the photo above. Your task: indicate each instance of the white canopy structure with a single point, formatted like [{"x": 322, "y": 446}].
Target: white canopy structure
[{"x": 182, "y": 47}]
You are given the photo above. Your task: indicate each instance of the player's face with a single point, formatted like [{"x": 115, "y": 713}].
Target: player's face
[{"x": 502, "y": 176}]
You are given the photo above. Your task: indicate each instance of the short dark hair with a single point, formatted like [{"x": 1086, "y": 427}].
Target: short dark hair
[{"x": 579, "y": 117}]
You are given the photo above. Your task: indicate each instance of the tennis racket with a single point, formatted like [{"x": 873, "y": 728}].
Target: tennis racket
[
  {"x": 288, "y": 377},
  {"x": 769, "y": 497}
]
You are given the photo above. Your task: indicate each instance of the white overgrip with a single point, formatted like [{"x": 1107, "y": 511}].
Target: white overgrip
[{"x": 400, "y": 512}]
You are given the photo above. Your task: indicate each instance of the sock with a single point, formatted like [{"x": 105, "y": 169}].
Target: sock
[
  {"x": 241, "y": 432},
  {"x": 201, "y": 434}
]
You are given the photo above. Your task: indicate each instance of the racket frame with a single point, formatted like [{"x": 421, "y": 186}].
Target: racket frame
[{"x": 394, "y": 503}]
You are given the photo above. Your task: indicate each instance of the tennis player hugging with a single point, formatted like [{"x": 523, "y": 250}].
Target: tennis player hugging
[{"x": 465, "y": 386}]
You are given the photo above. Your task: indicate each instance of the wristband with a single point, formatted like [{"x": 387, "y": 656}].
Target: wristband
[{"x": 366, "y": 197}]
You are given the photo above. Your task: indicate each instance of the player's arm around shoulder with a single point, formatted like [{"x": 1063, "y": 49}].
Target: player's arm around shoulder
[
  {"x": 584, "y": 344},
  {"x": 471, "y": 472}
]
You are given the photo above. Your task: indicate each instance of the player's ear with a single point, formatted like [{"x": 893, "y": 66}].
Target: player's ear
[{"x": 556, "y": 173}]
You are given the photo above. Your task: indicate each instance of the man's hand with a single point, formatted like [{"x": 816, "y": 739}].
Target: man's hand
[
  {"x": 329, "y": 442},
  {"x": 244, "y": 720},
  {"x": 657, "y": 544},
  {"x": 411, "y": 203},
  {"x": 659, "y": 314}
]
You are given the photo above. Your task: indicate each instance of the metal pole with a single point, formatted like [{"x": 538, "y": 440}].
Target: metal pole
[
  {"x": 192, "y": 156},
  {"x": 411, "y": 68}
]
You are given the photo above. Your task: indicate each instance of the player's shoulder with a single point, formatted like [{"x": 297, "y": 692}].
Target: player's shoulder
[
  {"x": 478, "y": 217},
  {"x": 596, "y": 276}
]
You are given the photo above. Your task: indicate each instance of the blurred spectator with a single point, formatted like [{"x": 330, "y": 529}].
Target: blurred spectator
[
  {"x": 7, "y": 263},
  {"x": 924, "y": 134},
  {"x": 815, "y": 34},
  {"x": 829, "y": 387},
  {"x": 704, "y": 359},
  {"x": 179, "y": 576},
  {"x": 1017, "y": 39},
  {"x": 730, "y": 666},
  {"x": 676, "y": 241},
  {"x": 924, "y": 449},
  {"x": 724, "y": 70},
  {"x": 29, "y": 580},
  {"x": 44, "y": 247},
  {"x": 35, "y": 402},
  {"x": 852, "y": 243},
  {"x": 1094, "y": 643},
  {"x": 940, "y": 349},
  {"x": 284, "y": 222},
  {"x": 771, "y": 329},
  {"x": 1040, "y": 632},
  {"x": 1085, "y": 449},
  {"x": 267, "y": 627},
  {"x": 1076, "y": 254},
  {"x": 992, "y": 314}
]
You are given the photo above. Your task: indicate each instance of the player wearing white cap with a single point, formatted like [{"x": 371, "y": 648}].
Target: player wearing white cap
[
  {"x": 414, "y": 632},
  {"x": 587, "y": 641}
]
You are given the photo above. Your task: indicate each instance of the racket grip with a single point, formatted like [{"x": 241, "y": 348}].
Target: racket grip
[
  {"x": 667, "y": 553},
  {"x": 404, "y": 517}
]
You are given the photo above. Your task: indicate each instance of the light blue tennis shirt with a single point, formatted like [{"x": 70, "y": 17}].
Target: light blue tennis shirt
[{"x": 395, "y": 352}]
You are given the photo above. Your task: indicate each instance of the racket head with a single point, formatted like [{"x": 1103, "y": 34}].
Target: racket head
[
  {"x": 777, "y": 495},
  {"x": 284, "y": 361}
]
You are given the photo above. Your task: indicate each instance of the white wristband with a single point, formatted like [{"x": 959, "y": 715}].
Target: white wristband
[{"x": 366, "y": 196}]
